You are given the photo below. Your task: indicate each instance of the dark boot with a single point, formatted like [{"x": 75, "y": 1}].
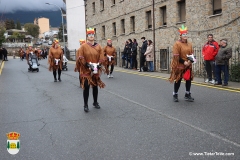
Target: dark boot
[
  {"x": 55, "y": 76},
  {"x": 96, "y": 105},
  {"x": 188, "y": 97},
  {"x": 86, "y": 108},
  {"x": 175, "y": 98},
  {"x": 59, "y": 75}
]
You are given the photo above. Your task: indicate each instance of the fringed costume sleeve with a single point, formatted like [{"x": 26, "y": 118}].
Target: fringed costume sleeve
[
  {"x": 176, "y": 69},
  {"x": 50, "y": 59}
]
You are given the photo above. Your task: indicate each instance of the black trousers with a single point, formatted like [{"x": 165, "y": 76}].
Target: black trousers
[
  {"x": 134, "y": 61},
  {"x": 177, "y": 85},
  {"x": 142, "y": 60},
  {"x": 210, "y": 68},
  {"x": 112, "y": 67},
  {"x": 55, "y": 74},
  {"x": 86, "y": 93}
]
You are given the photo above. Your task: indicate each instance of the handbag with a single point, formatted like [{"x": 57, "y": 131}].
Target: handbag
[{"x": 187, "y": 75}]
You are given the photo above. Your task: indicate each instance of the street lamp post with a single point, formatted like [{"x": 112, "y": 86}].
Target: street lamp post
[{"x": 62, "y": 26}]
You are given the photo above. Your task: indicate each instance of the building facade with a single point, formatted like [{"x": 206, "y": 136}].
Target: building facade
[
  {"x": 120, "y": 20},
  {"x": 75, "y": 16},
  {"x": 123, "y": 19},
  {"x": 43, "y": 24}
]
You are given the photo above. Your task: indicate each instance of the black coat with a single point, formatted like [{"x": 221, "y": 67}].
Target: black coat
[
  {"x": 134, "y": 48},
  {"x": 144, "y": 47},
  {"x": 129, "y": 50}
]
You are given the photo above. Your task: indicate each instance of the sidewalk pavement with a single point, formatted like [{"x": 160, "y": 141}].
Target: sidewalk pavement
[{"x": 200, "y": 81}]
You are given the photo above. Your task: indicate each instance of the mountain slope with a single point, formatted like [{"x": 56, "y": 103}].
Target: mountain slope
[{"x": 55, "y": 17}]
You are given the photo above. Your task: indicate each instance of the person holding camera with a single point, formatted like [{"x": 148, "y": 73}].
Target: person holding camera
[
  {"x": 90, "y": 53},
  {"x": 110, "y": 53},
  {"x": 182, "y": 65}
]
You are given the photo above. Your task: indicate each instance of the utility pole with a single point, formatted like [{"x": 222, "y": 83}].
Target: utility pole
[{"x": 153, "y": 28}]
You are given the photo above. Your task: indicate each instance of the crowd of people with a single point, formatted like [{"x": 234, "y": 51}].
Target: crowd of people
[
  {"x": 40, "y": 53},
  {"x": 146, "y": 56}
]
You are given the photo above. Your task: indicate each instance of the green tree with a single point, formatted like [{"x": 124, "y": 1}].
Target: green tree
[
  {"x": 60, "y": 35},
  {"x": 2, "y": 31},
  {"x": 19, "y": 25},
  {"x": 7, "y": 24},
  {"x": 12, "y": 24},
  {"x": 32, "y": 29}
]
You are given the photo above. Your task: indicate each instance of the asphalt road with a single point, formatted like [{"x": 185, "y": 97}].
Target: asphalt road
[{"x": 137, "y": 120}]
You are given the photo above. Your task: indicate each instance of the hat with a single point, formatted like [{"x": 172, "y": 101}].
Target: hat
[
  {"x": 109, "y": 40},
  {"x": 82, "y": 41},
  {"x": 182, "y": 30},
  {"x": 56, "y": 41},
  {"x": 29, "y": 45},
  {"x": 90, "y": 31}
]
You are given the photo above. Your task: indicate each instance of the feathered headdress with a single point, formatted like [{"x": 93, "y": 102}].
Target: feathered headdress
[
  {"x": 182, "y": 30},
  {"x": 90, "y": 31}
]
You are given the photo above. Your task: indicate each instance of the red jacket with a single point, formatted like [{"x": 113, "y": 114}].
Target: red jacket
[{"x": 210, "y": 50}]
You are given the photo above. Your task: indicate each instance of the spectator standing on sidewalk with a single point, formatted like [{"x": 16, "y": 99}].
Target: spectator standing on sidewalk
[
  {"x": 5, "y": 53},
  {"x": 129, "y": 58},
  {"x": 134, "y": 54},
  {"x": 210, "y": 50},
  {"x": 222, "y": 62},
  {"x": 149, "y": 55},
  {"x": 143, "y": 50},
  {"x": 125, "y": 55}
]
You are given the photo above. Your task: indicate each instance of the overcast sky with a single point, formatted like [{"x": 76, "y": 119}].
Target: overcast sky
[{"x": 7, "y": 6}]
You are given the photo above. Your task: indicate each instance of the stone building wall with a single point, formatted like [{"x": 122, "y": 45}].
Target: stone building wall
[{"x": 199, "y": 20}]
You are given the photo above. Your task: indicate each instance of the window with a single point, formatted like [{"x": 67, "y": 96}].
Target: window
[
  {"x": 217, "y": 6},
  {"x": 182, "y": 10},
  {"x": 93, "y": 7},
  {"x": 103, "y": 32},
  {"x": 123, "y": 26},
  {"x": 149, "y": 19},
  {"x": 114, "y": 29},
  {"x": 163, "y": 13},
  {"x": 113, "y": 2},
  {"x": 132, "y": 22},
  {"x": 101, "y": 5},
  {"x": 95, "y": 30}
]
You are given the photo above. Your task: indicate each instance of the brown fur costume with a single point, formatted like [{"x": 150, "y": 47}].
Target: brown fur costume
[
  {"x": 180, "y": 50},
  {"x": 111, "y": 51},
  {"x": 55, "y": 53},
  {"x": 21, "y": 52},
  {"x": 89, "y": 53}
]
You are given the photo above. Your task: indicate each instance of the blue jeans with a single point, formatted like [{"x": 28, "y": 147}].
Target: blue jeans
[
  {"x": 219, "y": 70},
  {"x": 151, "y": 66}
]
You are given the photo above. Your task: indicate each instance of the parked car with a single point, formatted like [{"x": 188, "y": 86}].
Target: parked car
[
  {"x": 49, "y": 42},
  {"x": 38, "y": 43}
]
